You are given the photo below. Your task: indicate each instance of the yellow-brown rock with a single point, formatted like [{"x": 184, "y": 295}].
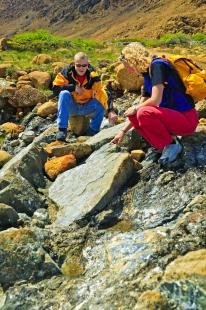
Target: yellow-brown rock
[
  {"x": 23, "y": 83},
  {"x": 24, "y": 77},
  {"x": 138, "y": 154},
  {"x": 58, "y": 66},
  {"x": 16, "y": 74},
  {"x": 202, "y": 121},
  {"x": 49, "y": 147},
  {"x": 23, "y": 80},
  {"x": 72, "y": 267},
  {"x": 82, "y": 139},
  {"x": 79, "y": 124},
  {"x": 151, "y": 300},
  {"x": 47, "y": 108},
  {"x": 27, "y": 96},
  {"x": 79, "y": 150},
  {"x": 4, "y": 157},
  {"x": 12, "y": 128},
  {"x": 42, "y": 59},
  {"x": 202, "y": 125},
  {"x": 138, "y": 165},
  {"x": 191, "y": 264},
  {"x": 127, "y": 81},
  {"x": 40, "y": 79},
  {"x": 55, "y": 166},
  {"x": 7, "y": 91},
  {"x": 3, "y": 44}
]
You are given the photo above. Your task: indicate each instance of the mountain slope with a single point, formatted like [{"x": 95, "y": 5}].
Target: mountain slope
[{"x": 104, "y": 19}]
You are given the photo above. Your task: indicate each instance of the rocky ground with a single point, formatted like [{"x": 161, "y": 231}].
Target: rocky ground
[{"x": 109, "y": 232}]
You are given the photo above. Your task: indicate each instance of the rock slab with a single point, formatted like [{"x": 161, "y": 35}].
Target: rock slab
[{"x": 90, "y": 186}]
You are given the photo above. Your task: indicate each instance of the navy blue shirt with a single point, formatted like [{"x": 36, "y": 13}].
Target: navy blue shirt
[{"x": 174, "y": 96}]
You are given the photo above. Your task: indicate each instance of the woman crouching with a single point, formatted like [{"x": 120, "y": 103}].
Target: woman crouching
[{"x": 165, "y": 110}]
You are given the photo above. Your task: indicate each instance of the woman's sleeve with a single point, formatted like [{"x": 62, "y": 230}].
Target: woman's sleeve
[{"x": 159, "y": 73}]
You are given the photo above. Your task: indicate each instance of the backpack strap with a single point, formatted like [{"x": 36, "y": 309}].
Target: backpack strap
[
  {"x": 175, "y": 81},
  {"x": 179, "y": 83}
]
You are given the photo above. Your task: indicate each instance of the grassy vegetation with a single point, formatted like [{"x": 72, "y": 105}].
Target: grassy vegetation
[
  {"x": 173, "y": 39},
  {"x": 37, "y": 41},
  {"x": 24, "y": 46}
]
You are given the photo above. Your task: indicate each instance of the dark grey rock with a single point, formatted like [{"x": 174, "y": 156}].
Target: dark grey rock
[{"x": 8, "y": 216}]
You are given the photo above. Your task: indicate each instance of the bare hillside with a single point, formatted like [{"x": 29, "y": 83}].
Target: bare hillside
[{"x": 104, "y": 19}]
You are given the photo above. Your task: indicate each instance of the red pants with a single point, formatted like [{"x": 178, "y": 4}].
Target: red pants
[{"x": 158, "y": 125}]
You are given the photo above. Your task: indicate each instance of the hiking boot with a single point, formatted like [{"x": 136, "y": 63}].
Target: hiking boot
[
  {"x": 90, "y": 132},
  {"x": 61, "y": 134},
  {"x": 152, "y": 155},
  {"x": 170, "y": 153}
]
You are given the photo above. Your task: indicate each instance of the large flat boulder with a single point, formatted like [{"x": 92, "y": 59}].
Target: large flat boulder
[
  {"x": 104, "y": 136},
  {"x": 89, "y": 187}
]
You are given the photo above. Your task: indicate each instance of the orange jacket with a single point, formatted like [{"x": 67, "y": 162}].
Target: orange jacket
[{"x": 92, "y": 85}]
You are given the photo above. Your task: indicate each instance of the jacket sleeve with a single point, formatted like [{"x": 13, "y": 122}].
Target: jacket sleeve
[
  {"x": 61, "y": 83},
  {"x": 110, "y": 101},
  {"x": 100, "y": 94}
]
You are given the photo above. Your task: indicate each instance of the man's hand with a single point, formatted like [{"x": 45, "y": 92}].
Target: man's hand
[
  {"x": 79, "y": 90},
  {"x": 118, "y": 138},
  {"x": 130, "y": 111},
  {"x": 112, "y": 117}
]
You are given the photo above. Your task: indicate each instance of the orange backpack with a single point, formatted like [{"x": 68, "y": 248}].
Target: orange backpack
[{"x": 193, "y": 77}]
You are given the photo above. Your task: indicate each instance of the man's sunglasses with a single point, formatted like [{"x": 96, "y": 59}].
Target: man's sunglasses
[{"x": 83, "y": 66}]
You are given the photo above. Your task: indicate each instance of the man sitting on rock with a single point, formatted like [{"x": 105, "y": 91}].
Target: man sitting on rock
[{"x": 81, "y": 93}]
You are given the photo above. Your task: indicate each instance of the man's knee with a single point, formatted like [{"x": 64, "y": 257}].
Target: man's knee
[
  {"x": 64, "y": 94},
  {"x": 99, "y": 105}
]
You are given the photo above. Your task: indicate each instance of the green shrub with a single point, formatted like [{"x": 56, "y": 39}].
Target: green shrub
[
  {"x": 24, "y": 46},
  {"x": 38, "y": 40},
  {"x": 199, "y": 37},
  {"x": 10, "y": 70}
]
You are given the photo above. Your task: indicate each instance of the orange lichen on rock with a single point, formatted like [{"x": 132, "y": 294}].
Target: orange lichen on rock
[
  {"x": 152, "y": 299},
  {"x": 12, "y": 128},
  {"x": 55, "y": 166}
]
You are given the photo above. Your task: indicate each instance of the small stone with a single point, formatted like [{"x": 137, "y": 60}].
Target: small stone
[
  {"x": 151, "y": 300},
  {"x": 137, "y": 154},
  {"x": 79, "y": 124},
  {"x": 27, "y": 136},
  {"x": 15, "y": 142},
  {"x": 8, "y": 216},
  {"x": 47, "y": 108},
  {"x": 4, "y": 157}
]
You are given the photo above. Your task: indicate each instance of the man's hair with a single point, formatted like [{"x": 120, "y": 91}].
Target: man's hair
[{"x": 80, "y": 56}]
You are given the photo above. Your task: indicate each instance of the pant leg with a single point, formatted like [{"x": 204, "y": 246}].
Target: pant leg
[
  {"x": 158, "y": 125},
  {"x": 94, "y": 107},
  {"x": 66, "y": 107}
]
